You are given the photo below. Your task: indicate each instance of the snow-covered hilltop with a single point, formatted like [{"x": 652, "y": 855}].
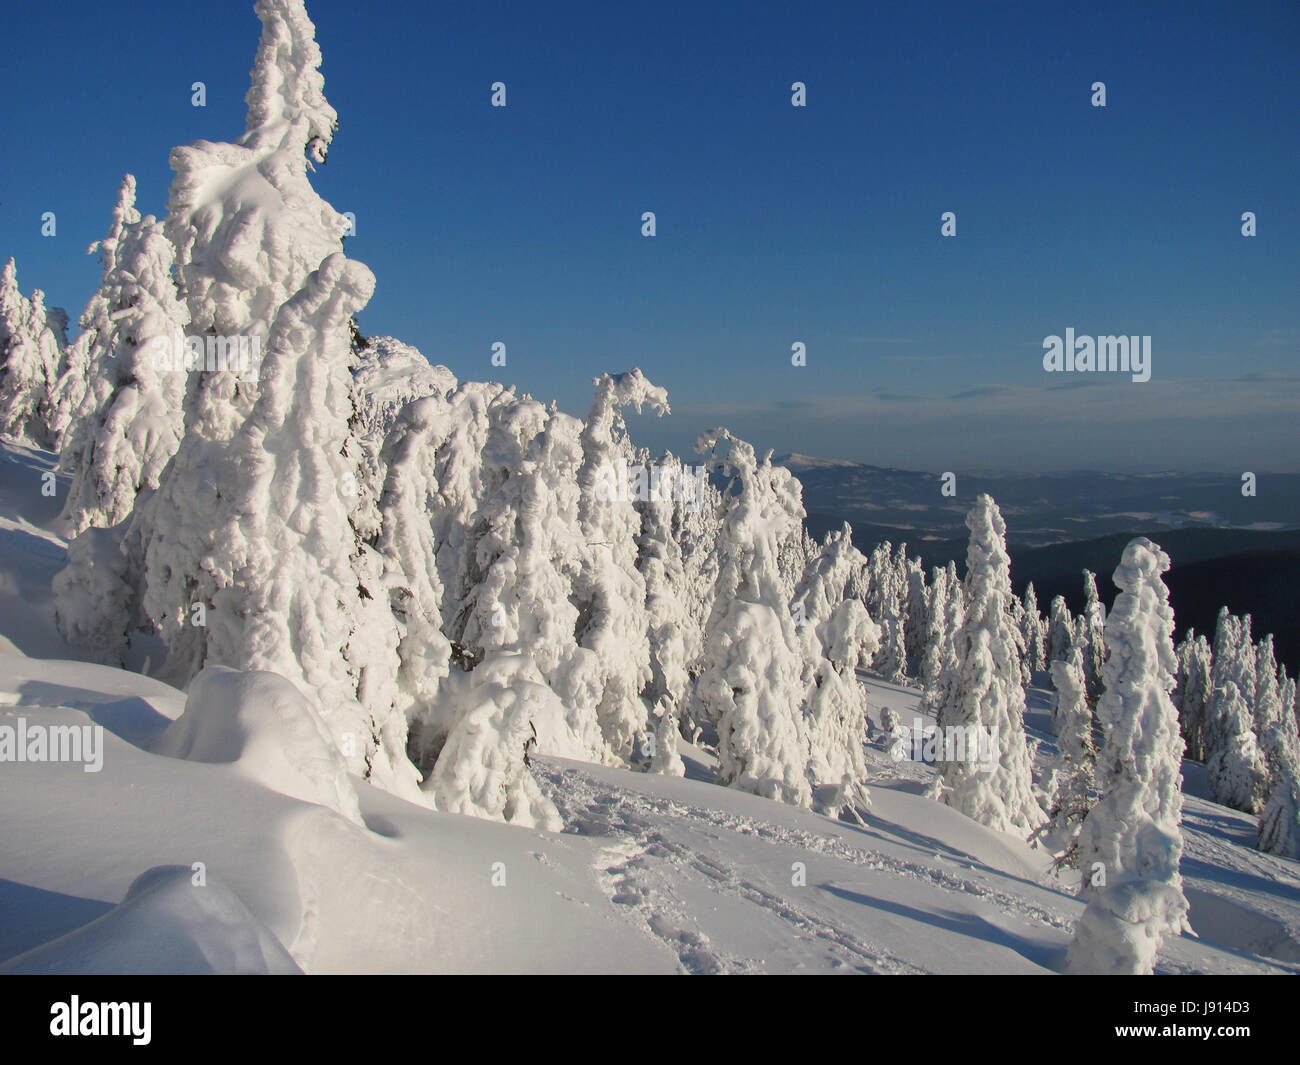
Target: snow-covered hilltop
[{"x": 499, "y": 690}]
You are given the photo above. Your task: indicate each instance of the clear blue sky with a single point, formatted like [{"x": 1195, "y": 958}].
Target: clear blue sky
[{"x": 775, "y": 224}]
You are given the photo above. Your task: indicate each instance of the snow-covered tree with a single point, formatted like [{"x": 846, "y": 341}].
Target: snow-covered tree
[
  {"x": 1060, "y": 631},
  {"x": 1091, "y": 625},
  {"x": 250, "y": 557},
  {"x": 32, "y": 346},
  {"x": 887, "y": 605},
  {"x": 1075, "y": 762},
  {"x": 1192, "y": 693},
  {"x": 988, "y": 694},
  {"x": 838, "y": 637},
  {"x": 414, "y": 588},
  {"x": 1268, "y": 694},
  {"x": 130, "y": 423},
  {"x": 526, "y": 548},
  {"x": 1033, "y": 629},
  {"x": 753, "y": 679},
  {"x": 1019, "y": 625},
  {"x": 1235, "y": 765},
  {"x": 942, "y": 664},
  {"x": 484, "y": 769},
  {"x": 676, "y": 636},
  {"x": 1236, "y": 769},
  {"x": 936, "y": 605},
  {"x": 914, "y": 619},
  {"x": 609, "y": 591},
  {"x": 1131, "y": 843},
  {"x": 1279, "y": 823}
]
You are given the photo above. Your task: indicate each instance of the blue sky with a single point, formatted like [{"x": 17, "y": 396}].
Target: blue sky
[{"x": 775, "y": 224}]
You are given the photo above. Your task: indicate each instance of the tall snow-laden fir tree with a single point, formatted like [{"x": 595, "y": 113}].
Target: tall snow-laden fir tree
[
  {"x": 1236, "y": 769},
  {"x": 839, "y": 637},
  {"x": 1279, "y": 822},
  {"x": 414, "y": 588},
  {"x": 133, "y": 328},
  {"x": 247, "y": 548},
  {"x": 1131, "y": 842},
  {"x": 609, "y": 591},
  {"x": 1091, "y": 626},
  {"x": 1192, "y": 693},
  {"x": 753, "y": 679},
  {"x": 32, "y": 344},
  {"x": 936, "y": 606},
  {"x": 1234, "y": 762},
  {"x": 526, "y": 547},
  {"x": 1019, "y": 635},
  {"x": 988, "y": 693},
  {"x": 1032, "y": 627},
  {"x": 914, "y": 619},
  {"x": 676, "y": 635},
  {"x": 944, "y": 665},
  {"x": 887, "y": 604},
  {"x": 1060, "y": 631},
  {"x": 1076, "y": 760},
  {"x": 1268, "y": 694}
]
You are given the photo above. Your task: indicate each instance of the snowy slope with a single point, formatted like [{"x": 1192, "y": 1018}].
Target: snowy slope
[{"x": 650, "y": 874}]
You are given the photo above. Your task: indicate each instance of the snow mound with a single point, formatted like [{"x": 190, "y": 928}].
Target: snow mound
[
  {"x": 166, "y": 924},
  {"x": 261, "y": 721}
]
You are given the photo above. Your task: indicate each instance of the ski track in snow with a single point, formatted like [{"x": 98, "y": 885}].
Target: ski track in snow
[{"x": 639, "y": 870}]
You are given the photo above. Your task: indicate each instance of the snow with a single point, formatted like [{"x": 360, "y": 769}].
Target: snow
[
  {"x": 261, "y": 722},
  {"x": 650, "y": 874},
  {"x": 166, "y": 921}
]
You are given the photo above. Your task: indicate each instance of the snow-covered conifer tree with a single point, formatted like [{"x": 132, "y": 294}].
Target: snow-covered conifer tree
[
  {"x": 1032, "y": 622},
  {"x": 945, "y": 669},
  {"x": 609, "y": 591},
  {"x": 988, "y": 693},
  {"x": 1076, "y": 760},
  {"x": 914, "y": 621},
  {"x": 1131, "y": 843},
  {"x": 133, "y": 329},
  {"x": 1279, "y": 823},
  {"x": 1193, "y": 692},
  {"x": 527, "y": 547},
  {"x": 1060, "y": 631},
  {"x": 839, "y": 637},
  {"x": 1236, "y": 769},
  {"x": 676, "y": 637},
  {"x": 753, "y": 680},
  {"x": 1268, "y": 694},
  {"x": 250, "y": 556},
  {"x": 31, "y": 356},
  {"x": 1091, "y": 625}
]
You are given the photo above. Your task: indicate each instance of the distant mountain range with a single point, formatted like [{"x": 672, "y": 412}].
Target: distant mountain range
[
  {"x": 1042, "y": 509},
  {"x": 1226, "y": 549}
]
